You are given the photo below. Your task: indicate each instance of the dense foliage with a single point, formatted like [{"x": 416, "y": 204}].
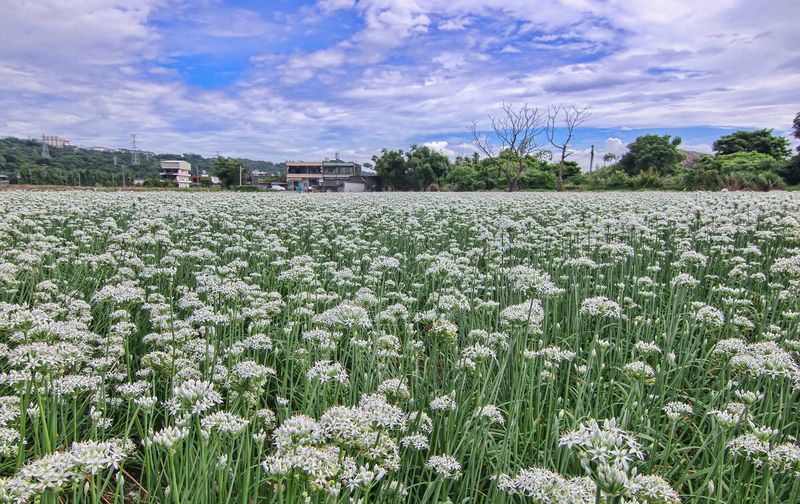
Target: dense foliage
[
  {"x": 418, "y": 169},
  {"x": 745, "y": 160},
  {"x": 230, "y": 171},
  {"x": 652, "y": 152},
  {"x": 760, "y": 141},
  {"x": 21, "y": 161}
]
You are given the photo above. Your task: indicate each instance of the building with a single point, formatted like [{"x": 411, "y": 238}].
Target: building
[
  {"x": 262, "y": 179},
  {"x": 4, "y": 179},
  {"x": 177, "y": 172},
  {"x": 325, "y": 176},
  {"x": 54, "y": 141},
  {"x": 199, "y": 179}
]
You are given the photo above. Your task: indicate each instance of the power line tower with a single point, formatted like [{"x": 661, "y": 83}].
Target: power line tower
[
  {"x": 134, "y": 151},
  {"x": 45, "y": 149}
]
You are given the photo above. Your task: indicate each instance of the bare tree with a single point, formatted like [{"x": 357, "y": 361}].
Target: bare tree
[
  {"x": 571, "y": 117},
  {"x": 516, "y": 130}
]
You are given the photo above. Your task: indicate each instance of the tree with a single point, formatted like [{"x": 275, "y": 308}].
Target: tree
[
  {"x": 791, "y": 172},
  {"x": 796, "y": 129},
  {"x": 427, "y": 166},
  {"x": 741, "y": 170},
  {"x": 392, "y": 169},
  {"x": 609, "y": 157},
  {"x": 565, "y": 170},
  {"x": 762, "y": 141},
  {"x": 464, "y": 177},
  {"x": 517, "y": 131},
  {"x": 228, "y": 171},
  {"x": 569, "y": 118},
  {"x": 659, "y": 152}
]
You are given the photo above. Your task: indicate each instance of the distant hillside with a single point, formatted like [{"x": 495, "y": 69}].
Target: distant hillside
[
  {"x": 21, "y": 160},
  {"x": 691, "y": 157}
]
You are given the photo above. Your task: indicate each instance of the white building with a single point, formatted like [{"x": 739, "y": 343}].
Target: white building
[
  {"x": 331, "y": 175},
  {"x": 176, "y": 171},
  {"x": 54, "y": 141}
]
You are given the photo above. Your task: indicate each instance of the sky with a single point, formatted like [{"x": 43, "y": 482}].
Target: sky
[{"x": 284, "y": 79}]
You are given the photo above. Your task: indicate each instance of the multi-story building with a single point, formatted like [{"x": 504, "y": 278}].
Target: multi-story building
[
  {"x": 330, "y": 175},
  {"x": 54, "y": 141},
  {"x": 176, "y": 171}
]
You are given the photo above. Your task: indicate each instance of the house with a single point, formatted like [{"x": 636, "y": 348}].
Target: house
[
  {"x": 4, "y": 179},
  {"x": 176, "y": 171},
  {"x": 198, "y": 179},
  {"x": 330, "y": 175},
  {"x": 262, "y": 179}
]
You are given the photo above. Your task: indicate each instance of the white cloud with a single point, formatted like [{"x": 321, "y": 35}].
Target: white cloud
[
  {"x": 583, "y": 156},
  {"x": 440, "y": 147},
  {"x": 454, "y": 24},
  {"x": 697, "y": 147},
  {"x": 614, "y": 146},
  {"x": 101, "y": 69},
  {"x": 332, "y": 5}
]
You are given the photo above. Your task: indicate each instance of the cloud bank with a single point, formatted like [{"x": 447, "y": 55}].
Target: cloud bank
[{"x": 289, "y": 81}]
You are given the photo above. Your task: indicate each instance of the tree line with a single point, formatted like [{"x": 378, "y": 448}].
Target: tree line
[
  {"x": 22, "y": 163},
  {"x": 527, "y": 149}
]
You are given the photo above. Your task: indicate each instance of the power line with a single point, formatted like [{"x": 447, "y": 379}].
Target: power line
[
  {"x": 134, "y": 151},
  {"x": 45, "y": 150}
]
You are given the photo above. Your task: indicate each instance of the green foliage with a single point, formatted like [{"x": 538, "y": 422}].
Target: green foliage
[
  {"x": 421, "y": 168},
  {"x": 743, "y": 170},
  {"x": 758, "y": 141},
  {"x": 571, "y": 169},
  {"x": 21, "y": 161},
  {"x": 748, "y": 162},
  {"x": 610, "y": 177},
  {"x": 659, "y": 152},
  {"x": 791, "y": 171},
  {"x": 648, "y": 179},
  {"x": 392, "y": 169},
  {"x": 464, "y": 177},
  {"x": 427, "y": 166},
  {"x": 796, "y": 129},
  {"x": 228, "y": 171},
  {"x": 538, "y": 178}
]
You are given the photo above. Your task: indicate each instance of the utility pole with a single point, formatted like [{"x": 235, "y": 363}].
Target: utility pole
[
  {"x": 45, "y": 155},
  {"x": 240, "y": 174},
  {"x": 591, "y": 160},
  {"x": 135, "y": 151},
  {"x": 45, "y": 150}
]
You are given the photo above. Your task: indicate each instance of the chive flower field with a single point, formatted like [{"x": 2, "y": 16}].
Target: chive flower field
[{"x": 391, "y": 348}]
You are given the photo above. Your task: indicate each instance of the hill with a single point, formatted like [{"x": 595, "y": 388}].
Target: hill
[{"x": 21, "y": 160}]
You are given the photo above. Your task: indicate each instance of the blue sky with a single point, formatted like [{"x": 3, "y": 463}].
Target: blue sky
[{"x": 284, "y": 79}]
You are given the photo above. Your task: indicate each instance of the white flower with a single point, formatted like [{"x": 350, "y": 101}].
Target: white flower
[
  {"x": 326, "y": 371},
  {"x": 529, "y": 313},
  {"x": 196, "y": 396},
  {"x": 491, "y": 413},
  {"x": 444, "y": 466},
  {"x": 600, "y": 306}
]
